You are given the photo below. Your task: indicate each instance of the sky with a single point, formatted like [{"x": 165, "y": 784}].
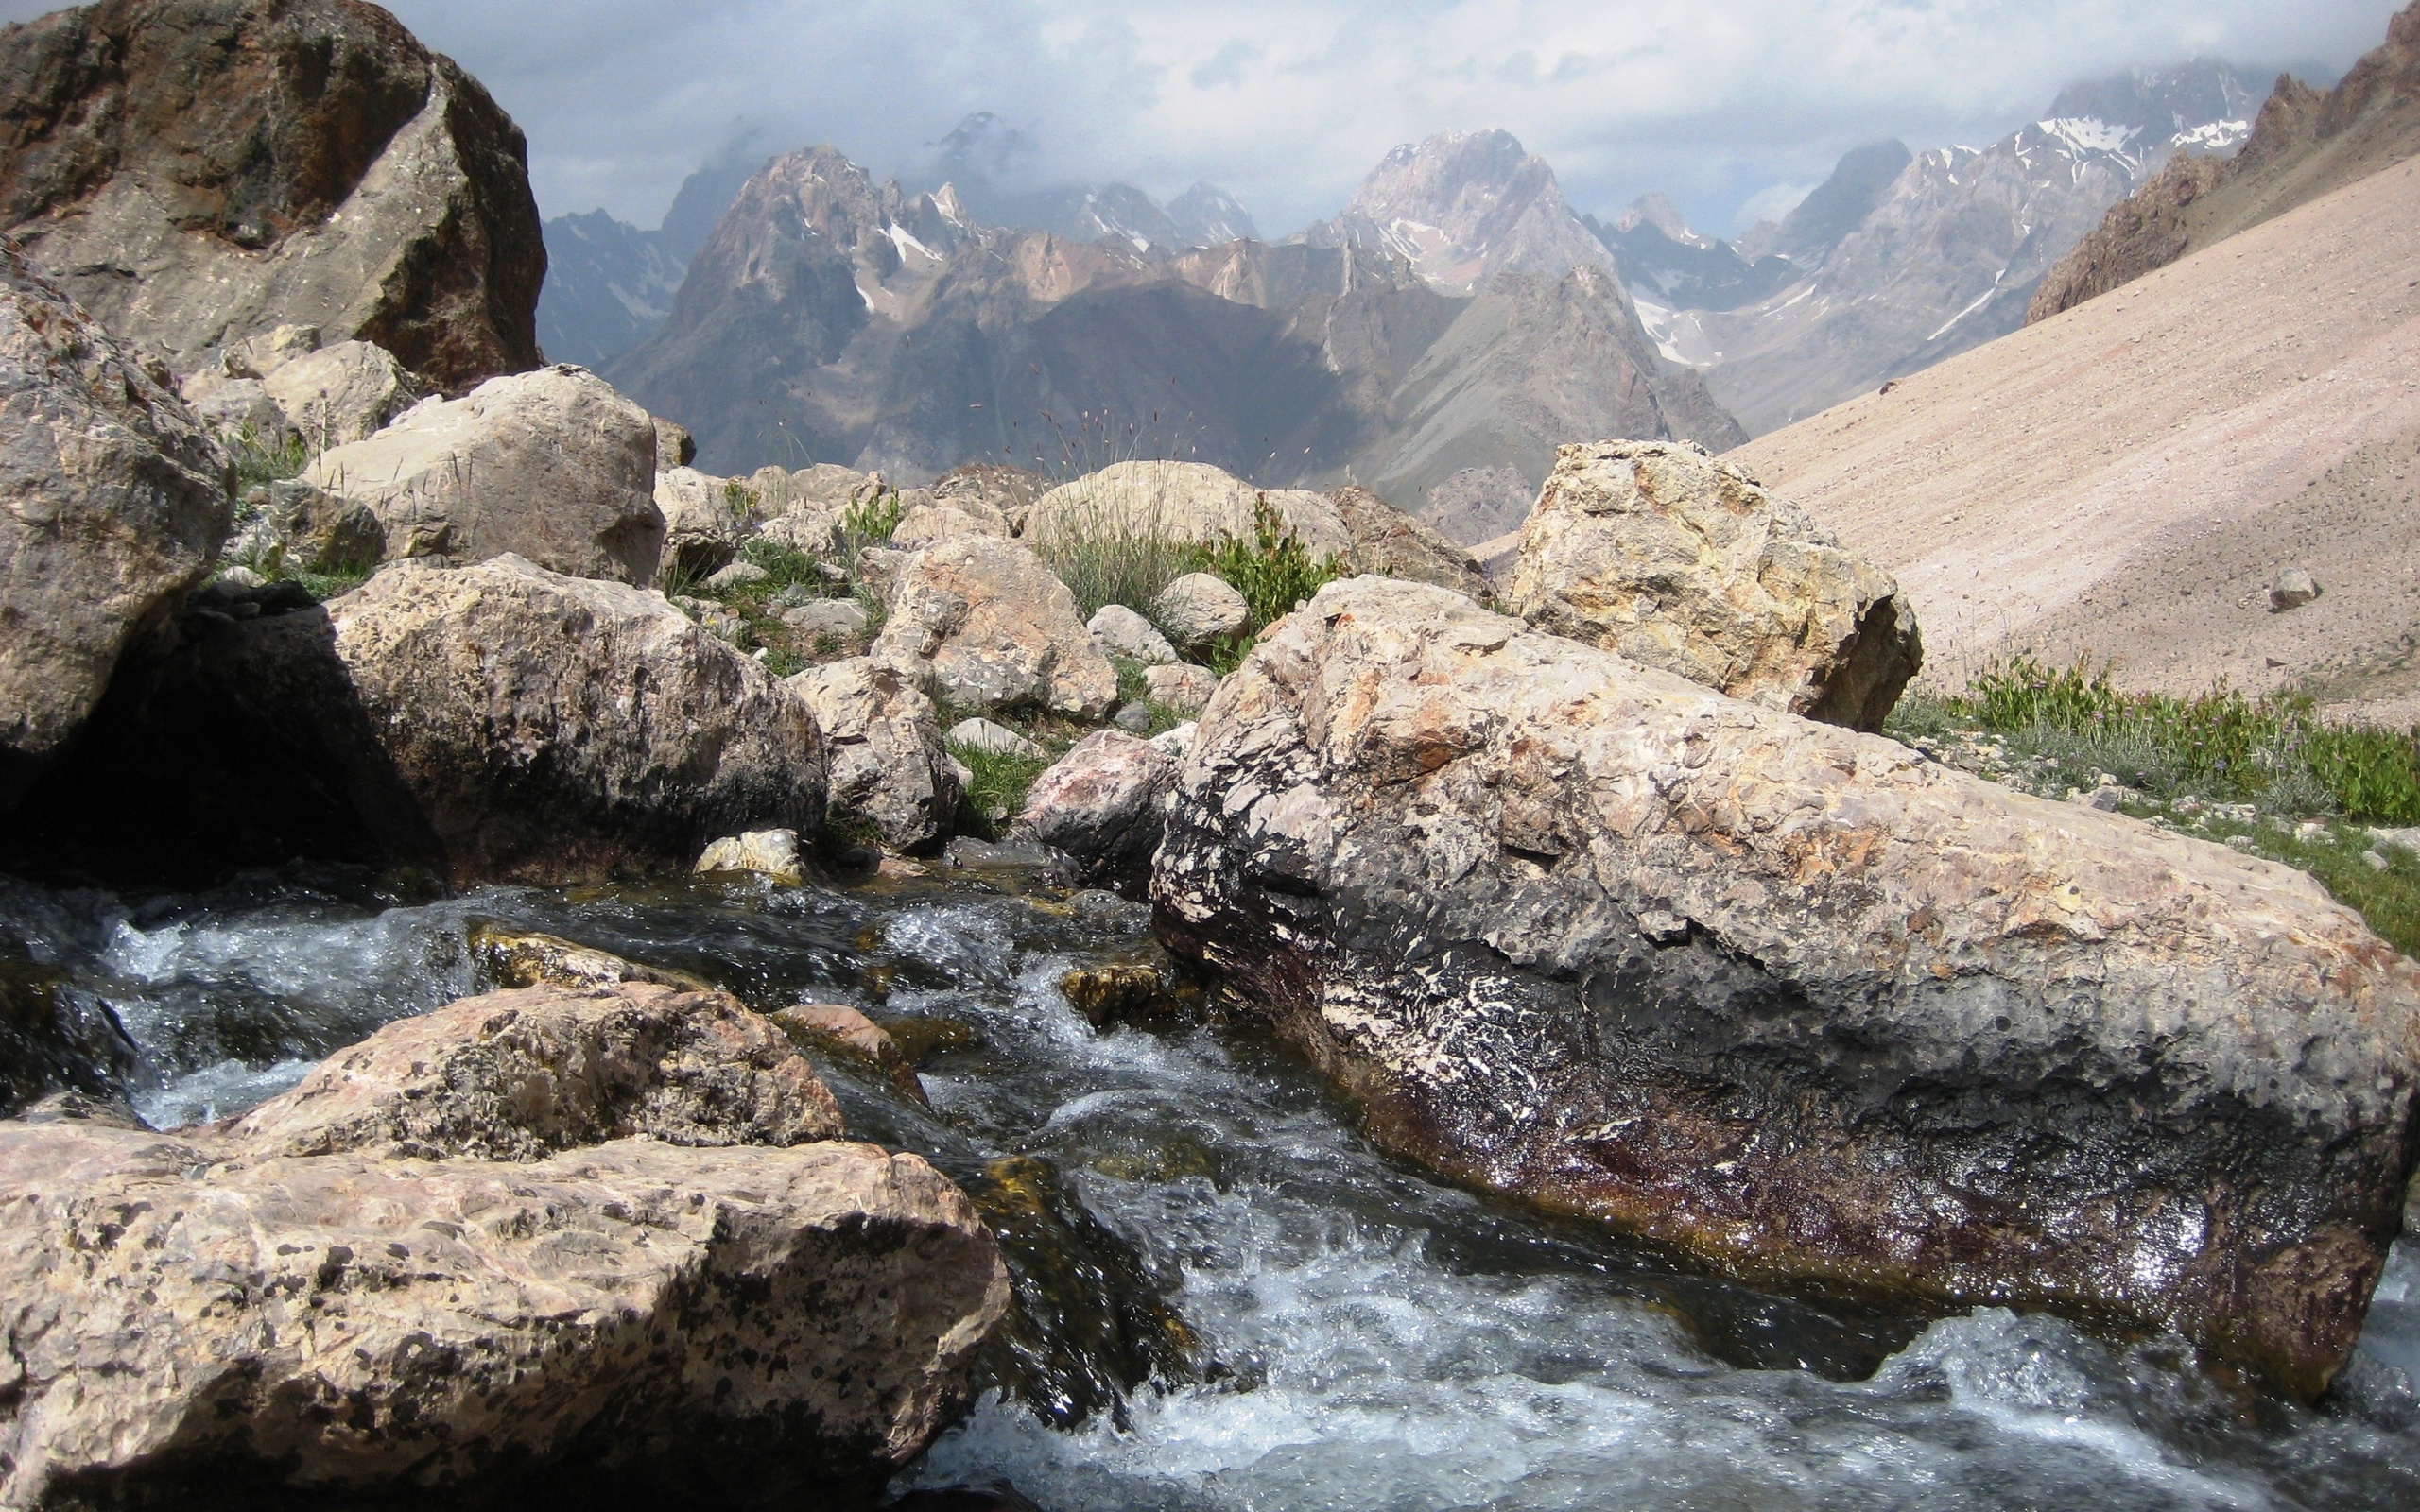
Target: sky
[{"x": 1733, "y": 107}]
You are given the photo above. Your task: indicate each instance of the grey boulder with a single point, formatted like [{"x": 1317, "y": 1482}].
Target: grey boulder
[
  {"x": 339, "y": 394},
  {"x": 888, "y": 761},
  {"x": 1103, "y": 804},
  {"x": 1200, "y": 610},
  {"x": 1119, "y": 631},
  {"x": 114, "y": 503}
]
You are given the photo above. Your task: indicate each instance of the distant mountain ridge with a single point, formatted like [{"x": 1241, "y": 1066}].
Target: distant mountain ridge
[{"x": 832, "y": 318}]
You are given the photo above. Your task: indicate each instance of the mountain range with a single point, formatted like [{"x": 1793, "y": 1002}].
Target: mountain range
[{"x": 1434, "y": 340}]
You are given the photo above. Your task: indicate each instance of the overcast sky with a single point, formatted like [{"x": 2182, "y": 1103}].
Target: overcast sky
[{"x": 1728, "y": 105}]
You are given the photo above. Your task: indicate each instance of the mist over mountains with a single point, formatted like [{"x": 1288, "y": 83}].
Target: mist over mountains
[{"x": 1434, "y": 340}]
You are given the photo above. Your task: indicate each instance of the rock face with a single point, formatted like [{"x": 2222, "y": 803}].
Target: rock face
[
  {"x": 443, "y": 1267},
  {"x": 490, "y": 722},
  {"x": 1674, "y": 560},
  {"x": 639, "y": 1059},
  {"x": 552, "y": 466},
  {"x": 1103, "y": 804},
  {"x": 113, "y": 502},
  {"x": 884, "y": 743},
  {"x": 988, "y": 626},
  {"x": 1792, "y": 997},
  {"x": 2305, "y": 143},
  {"x": 199, "y": 171},
  {"x": 1387, "y": 541}
]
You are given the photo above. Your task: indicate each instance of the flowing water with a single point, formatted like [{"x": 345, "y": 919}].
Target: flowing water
[{"x": 1226, "y": 1298}]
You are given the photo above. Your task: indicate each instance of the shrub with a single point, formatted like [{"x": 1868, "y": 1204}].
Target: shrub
[
  {"x": 1114, "y": 550},
  {"x": 1273, "y": 571},
  {"x": 869, "y": 522}
]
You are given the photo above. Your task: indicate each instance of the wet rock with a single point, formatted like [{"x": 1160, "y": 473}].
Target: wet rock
[
  {"x": 1107, "y": 993},
  {"x": 1451, "y": 856},
  {"x": 1183, "y": 687},
  {"x": 1102, "y": 803},
  {"x": 114, "y": 503},
  {"x": 511, "y": 958},
  {"x": 2293, "y": 588},
  {"x": 553, "y": 466},
  {"x": 886, "y": 759},
  {"x": 1199, "y": 609},
  {"x": 743, "y": 1325},
  {"x": 766, "y": 852},
  {"x": 209, "y": 170},
  {"x": 993, "y": 740},
  {"x": 495, "y": 722},
  {"x": 967, "y": 854},
  {"x": 520, "y": 1075},
  {"x": 702, "y": 531},
  {"x": 1677, "y": 560},
  {"x": 988, "y": 626},
  {"x": 1184, "y": 501},
  {"x": 343, "y": 393},
  {"x": 1389, "y": 541},
  {"x": 1119, "y": 631},
  {"x": 843, "y": 1030}
]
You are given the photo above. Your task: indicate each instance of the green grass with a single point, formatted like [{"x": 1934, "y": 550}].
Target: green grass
[
  {"x": 1117, "y": 554},
  {"x": 998, "y": 785},
  {"x": 2222, "y": 744},
  {"x": 259, "y": 461}
]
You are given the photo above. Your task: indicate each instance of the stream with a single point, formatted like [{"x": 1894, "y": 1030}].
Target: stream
[{"x": 1226, "y": 1298}]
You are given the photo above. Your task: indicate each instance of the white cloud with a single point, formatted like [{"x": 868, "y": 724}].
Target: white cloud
[
  {"x": 1289, "y": 103},
  {"x": 1771, "y": 202}
]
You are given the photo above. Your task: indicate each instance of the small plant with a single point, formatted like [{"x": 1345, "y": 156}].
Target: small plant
[
  {"x": 996, "y": 787},
  {"x": 739, "y": 500},
  {"x": 1273, "y": 571},
  {"x": 260, "y": 460},
  {"x": 1111, "y": 548},
  {"x": 869, "y": 522}
]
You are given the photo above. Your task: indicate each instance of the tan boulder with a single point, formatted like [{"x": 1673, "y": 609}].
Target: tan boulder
[
  {"x": 1182, "y": 686},
  {"x": 883, "y": 743},
  {"x": 928, "y": 524},
  {"x": 113, "y": 502},
  {"x": 553, "y": 466},
  {"x": 1183, "y": 501},
  {"x": 1198, "y": 608},
  {"x": 1679, "y": 561},
  {"x": 704, "y": 525},
  {"x": 1791, "y": 998},
  {"x": 986, "y": 626},
  {"x": 342, "y": 393},
  {"x": 1008, "y": 493},
  {"x": 770, "y": 853}
]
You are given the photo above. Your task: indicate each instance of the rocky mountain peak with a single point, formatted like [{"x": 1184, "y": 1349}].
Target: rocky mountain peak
[
  {"x": 1208, "y": 215},
  {"x": 1657, "y": 212},
  {"x": 1463, "y": 206}
]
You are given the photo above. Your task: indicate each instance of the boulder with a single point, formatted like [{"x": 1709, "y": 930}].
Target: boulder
[
  {"x": 815, "y": 532},
  {"x": 843, "y": 619},
  {"x": 553, "y": 466},
  {"x": 1793, "y": 998},
  {"x": 342, "y": 394},
  {"x": 1103, "y": 804},
  {"x": 831, "y": 487},
  {"x": 884, "y": 747},
  {"x": 988, "y": 626},
  {"x": 540, "y": 1244},
  {"x": 511, "y": 957},
  {"x": 235, "y": 407},
  {"x": 304, "y": 527},
  {"x": 765, "y": 853},
  {"x": 880, "y": 571},
  {"x": 114, "y": 503},
  {"x": 1182, "y": 501},
  {"x": 1388, "y": 541},
  {"x": 994, "y": 740},
  {"x": 1008, "y": 493},
  {"x": 922, "y": 526},
  {"x": 1119, "y": 631},
  {"x": 1199, "y": 609},
  {"x": 702, "y": 532},
  {"x": 1183, "y": 687},
  {"x": 495, "y": 722},
  {"x": 674, "y": 445},
  {"x": 1679, "y": 561},
  {"x": 201, "y": 172},
  {"x": 620, "y": 1061}
]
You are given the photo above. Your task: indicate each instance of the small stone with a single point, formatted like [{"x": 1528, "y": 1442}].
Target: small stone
[
  {"x": 841, "y": 617},
  {"x": 239, "y": 578},
  {"x": 1119, "y": 631},
  {"x": 2239, "y": 842},
  {"x": 1198, "y": 608},
  {"x": 2292, "y": 589},
  {"x": 2374, "y": 860},
  {"x": 2105, "y": 799},
  {"x": 1135, "y": 718},
  {"x": 1182, "y": 687},
  {"x": 992, "y": 739},
  {"x": 767, "y": 853},
  {"x": 2309, "y": 830},
  {"x": 738, "y": 575}
]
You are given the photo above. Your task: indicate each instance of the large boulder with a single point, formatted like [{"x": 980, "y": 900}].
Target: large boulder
[
  {"x": 986, "y": 626},
  {"x": 487, "y": 1255},
  {"x": 1183, "y": 501},
  {"x": 1103, "y": 804},
  {"x": 340, "y": 394},
  {"x": 884, "y": 743},
  {"x": 1388, "y": 541},
  {"x": 113, "y": 502},
  {"x": 490, "y": 722},
  {"x": 1793, "y": 998},
  {"x": 199, "y": 172},
  {"x": 551, "y": 465},
  {"x": 1660, "y": 552}
]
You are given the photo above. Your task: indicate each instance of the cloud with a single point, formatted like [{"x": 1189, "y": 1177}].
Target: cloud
[
  {"x": 1771, "y": 202},
  {"x": 1288, "y": 104}
]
